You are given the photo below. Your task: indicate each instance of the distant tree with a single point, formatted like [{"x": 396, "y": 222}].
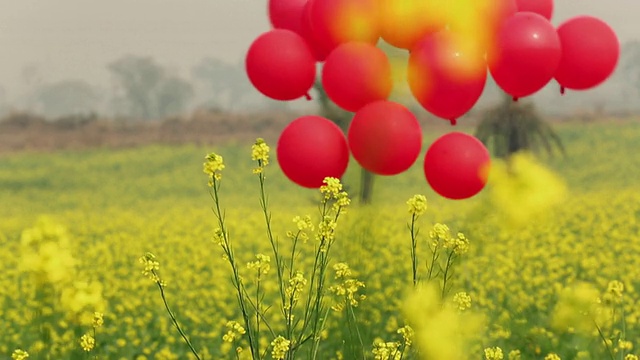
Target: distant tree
[
  {"x": 146, "y": 91},
  {"x": 228, "y": 84},
  {"x": 66, "y": 97},
  {"x": 630, "y": 64},
  {"x": 513, "y": 126},
  {"x": 172, "y": 96}
]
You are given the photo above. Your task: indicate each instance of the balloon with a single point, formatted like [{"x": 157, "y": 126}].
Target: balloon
[
  {"x": 526, "y": 55},
  {"x": 457, "y": 166},
  {"x": 308, "y": 34},
  {"x": 335, "y": 22},
  {"x": 311, "y": 148},
  {"x": 590, "y": 52},
  {"x": 286, "y": 14},
  {"x": 385, "y": 138},
  {"x": 478, "y": 21},
  {"x": 542, "y": 7},
  {"x": 404, "y": 22},
  {"x": 446, "y": 75},
  {"x": 280, "y": 65},
  {"x": 356, "y": 74}
]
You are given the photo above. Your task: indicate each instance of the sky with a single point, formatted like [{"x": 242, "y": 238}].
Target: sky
[{"x": 76, "y": 39}]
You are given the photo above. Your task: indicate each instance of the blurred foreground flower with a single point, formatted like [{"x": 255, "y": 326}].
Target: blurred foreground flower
[
  {"x": 441, "y": 332},
  {"x": 521, "y": 188}
]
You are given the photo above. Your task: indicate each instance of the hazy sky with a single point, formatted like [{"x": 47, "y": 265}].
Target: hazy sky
[{"x": 77, "y": 38}]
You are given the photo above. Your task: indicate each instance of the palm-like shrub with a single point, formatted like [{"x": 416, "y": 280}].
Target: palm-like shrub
[{"x": 512, "y": 126}]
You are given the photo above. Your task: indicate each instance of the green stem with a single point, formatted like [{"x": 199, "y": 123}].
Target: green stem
[
  {"x": 355, "y": 326},
  {"x": 606, "y": 344},
  {"x": 237, "y": 282},
  {"x": 446, "y": 272},
  {"x": 173, "y": 318},
  {"x": 414, "y": 260}
]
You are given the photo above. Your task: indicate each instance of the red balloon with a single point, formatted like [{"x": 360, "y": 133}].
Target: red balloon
[
  {"x": 308, "y": 34},
  {"x": 287, "y": 14},
  {"x": 526, "y": 55},
  {"x": 447, "y": 75},
  {"x": 356, "y": 74},
  {"x": 335, "y": 22},
  {"x": 457, "y": 166},
  {"x": 590, "y": 52},
  {"x": 542, "y": 7},
  {"x": 280, "y": 65},
  {"x": 385, "y": 138},
  {"x": 311, "y": 148}
]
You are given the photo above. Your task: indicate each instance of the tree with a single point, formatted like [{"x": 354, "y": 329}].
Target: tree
[
  {"x": 146, "y": 91},
  {"x": 66, "y": 97},
  {"x": 630, "y": 64},
  {"x": 227, "y": 83},
  {"x": 342, "y": 118},
  {"x": 512, "y": 126}
]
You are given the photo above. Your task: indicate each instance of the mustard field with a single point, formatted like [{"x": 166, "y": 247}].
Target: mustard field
[{"x": 543, "y": 264}]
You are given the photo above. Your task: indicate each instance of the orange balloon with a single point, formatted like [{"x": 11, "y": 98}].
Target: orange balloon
[
  {"x": 404, "y": 22},
  {"x": 336, "y": 22}
]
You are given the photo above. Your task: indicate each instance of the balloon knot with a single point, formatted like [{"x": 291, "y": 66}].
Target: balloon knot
[
  {"x": 453, "y": 122},
  {"x": 515, "y": 98},
  {"x": 308, "y": 97},
  {"x": 562, "y": 90}
]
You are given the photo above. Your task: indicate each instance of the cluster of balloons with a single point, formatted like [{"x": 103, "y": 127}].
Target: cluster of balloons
[{"x": 453, "y": 45}]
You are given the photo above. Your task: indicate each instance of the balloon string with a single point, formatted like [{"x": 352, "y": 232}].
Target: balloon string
[
  {"x": 308, "y": 97},
  {"x": 453, "y": 122},
  {"x": 561, "y": 90}
]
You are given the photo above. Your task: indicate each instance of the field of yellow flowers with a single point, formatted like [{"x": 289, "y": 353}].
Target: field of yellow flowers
[{"x": 543, "y": 265}]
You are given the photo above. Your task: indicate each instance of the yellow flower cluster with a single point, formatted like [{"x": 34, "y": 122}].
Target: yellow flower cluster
[
  {"x": 462, "y": 300},
  {"x": 386, "y": 350},
  {"x": 234, "y": 331},
  {"x": 493, "y": 353},
  {"x": 279, "y": 347},
  {"x": 260, "y": 153},
  {"x": 213, "y": 167},
  {"x": 19, "y": 354},
  {"x": 261, "y": 264},
  {"x": 417, "y": 205},
  {"x": 87, "y": 342}
]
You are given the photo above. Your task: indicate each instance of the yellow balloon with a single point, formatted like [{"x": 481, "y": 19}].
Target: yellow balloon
[{"x": 405, "y": 22}]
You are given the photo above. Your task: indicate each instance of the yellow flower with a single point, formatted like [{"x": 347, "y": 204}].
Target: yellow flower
[
  {"x": 574, "y": 309},
  {"x": 234, "y": 332},
  {"x": 494, "y": 353},
  {"x": 552, "y": 356},
  {"x": 631, "y": 357},
  {"x": 98, "y": 319},
  {"x": 417, "y": 205},
  {"x": 439, "y": 234},
  {"x": 462, "y": 300},
  {"x": 151, "y": 267},
  {"x": 19, "y": 354},
  {"x": 261, "y": 264},
  {"x": 213, "y": 166},
  {"x": 407, "y": 334},
  {"x": 440, "y": 331},
  {"x": 514, "y": 355},
  {"x": 386, "y": 350},
  {"x": 523, "y": 189},
  {"x": 260, "y": 153},
  {"x": 280, "y": 347},
  {"x": 87, "y": 342}
]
